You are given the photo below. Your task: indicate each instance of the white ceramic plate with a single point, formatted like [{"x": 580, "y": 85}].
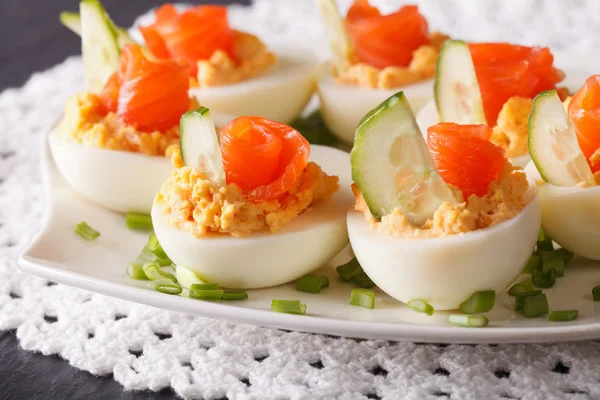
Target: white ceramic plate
[{"x": 60, "y": 255}]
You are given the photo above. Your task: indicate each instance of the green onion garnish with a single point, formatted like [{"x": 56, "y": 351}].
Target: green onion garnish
[
  {"x": 479, "y": 302},
  {"x": 154, "y": 272},
  {"x": 544, "y": 280},
  {"x": 234, "y": 295},
  {"x": 362, "y": 298},
  {"x": 350, "y": 270},
  {"x": 536, "y": 305},
  {"x": 420, "y": 306},
  {"x": 362, "y": 280},
  {"x": 520, "y": 298},
  {"x": 288, "y": 306},
  {"x": 521, "y": 287},
  {"x": 86, "y": 231},
  {"x": 563, "y": 315},
  {"x": 204, "y": 286},
  {"x": 566, "y": 254},
  {"x": 206, "y": 294},
  {"x": 135, "y": 271},
  {"x": 168, "y": 288},
  {"x": 551, "y": 260},
  {"x": 312, "y": 283},
  {"x": 533, "y": 263},
  {"x": 154, "y": 246},
  {"x": 544, "y": 242},
  {"x": 139, "y": 222},
  {"x": 469, "y": 321},
  {"x": 596, "y": 293}
]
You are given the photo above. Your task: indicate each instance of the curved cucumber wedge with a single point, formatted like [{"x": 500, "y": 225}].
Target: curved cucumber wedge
[
  {"x": 456, "y": 89},
  {"x": 71, "y": 20},
  {"x": 392, "y": 166},
  {"x": 341, "y": 45},
  {"x": 99, "y": 45},
  {"x": 199, "y": 144},
  {"x": 553, "y": 145}
]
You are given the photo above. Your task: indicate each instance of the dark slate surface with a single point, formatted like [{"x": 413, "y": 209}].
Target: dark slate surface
[{"x": 32, "y": 39}]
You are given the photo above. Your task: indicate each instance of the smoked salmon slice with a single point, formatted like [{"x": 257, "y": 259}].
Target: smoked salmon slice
[
  {"x": 192, "y": 35},
  {"x": 584, "y": 113},
  {"x": 464, "y": 156},
  {"x": 264, "y": 158},
  {"x": 386, "y": 40},
  {"x": 150, "y": 96},
  {"x": 505, "y": 70}
]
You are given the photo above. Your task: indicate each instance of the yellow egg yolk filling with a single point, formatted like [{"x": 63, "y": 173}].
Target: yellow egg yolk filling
[
  {"x": 503, "y": 200},
  {"x": 196, "y": 205}
]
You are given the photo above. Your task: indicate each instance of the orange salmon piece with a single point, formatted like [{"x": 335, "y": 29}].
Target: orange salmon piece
[
  {"x": 464, "y": 157},
  {"x": 584, "y": 113},
  {"x": 386, "y": 40},
  {"x": 264, "y": 158}
]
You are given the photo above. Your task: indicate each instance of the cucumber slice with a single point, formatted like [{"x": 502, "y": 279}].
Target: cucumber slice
[
  {"x": 392, "y": 166},
  {"x": 71, "y": 20},
  {"x": 99, "y": 46},
  {"x": 456, "y": 89},
  {"x": 199, "y": 144},
  {"x": 341, "y": 45},
  {"x": 553, "y": 145}
]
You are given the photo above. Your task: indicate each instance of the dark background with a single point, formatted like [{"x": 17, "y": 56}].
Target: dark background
[{"x": 32, "y": 39}]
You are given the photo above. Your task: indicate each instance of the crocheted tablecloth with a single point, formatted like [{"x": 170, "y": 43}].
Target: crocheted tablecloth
[{"x": 149, "y": 348}]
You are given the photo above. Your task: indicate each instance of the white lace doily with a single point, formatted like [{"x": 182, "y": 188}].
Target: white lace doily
[{"x": 149, "y": 348}]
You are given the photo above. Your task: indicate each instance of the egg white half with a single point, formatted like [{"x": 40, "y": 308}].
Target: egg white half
[
  {"x": 119, "y": 181},
  {"x": 446, "y": 271},
  {"x": 428, "y": 116},
  {"x": 344, "y": 105},
  {"x": 262, "y": 260},
  {"x": 570, "y": 215},
  {"x": 279, "y": 94}
]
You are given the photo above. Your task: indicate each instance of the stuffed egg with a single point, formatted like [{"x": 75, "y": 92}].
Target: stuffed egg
[
  {"x": 114, "y": 141},
  {"x": 564, "y": 148},
  {"x": 254, "y": 207},
  {"x": 437, "y": 221},
  {"x": 233, "y": 72},
  {"x": 374, "y": 56},
  {"x": 477, "y": 84}
]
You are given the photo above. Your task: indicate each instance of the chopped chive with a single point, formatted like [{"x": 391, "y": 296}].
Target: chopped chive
[
  {"x": 153, "y": 271},
  {"x": 139, "y": 222},
  {"x": 362, "y": 298},
  {"x": 362, "y": 280},
  {"x": 420, "y": 306},
  {"x": 350, "y": 270},
  {"x": 135, "y": 271},
  {"x": 563, "y": 315},
  {"x": 204, "y": 286},
  {"x": 206, "y": 294},
  {"x": 566, "y": 254},
  {"x": 234, "y": 295},
  {"x": 86, "y": 231},
  {"x": 544, "y": 242},
  {"x": 551, "y": 260},
  {"x": 312, "y": 283},
  {"x": 533, "y": 264},
  {"x": 168, "y": 288},
  {"x": 288, "y": 306},
  {"x": 154, "y": 246},
  {"x": 544, "y": 280},
  {"x": 521, "y": 287},
  {"x": 596, "y": 293},
  {"x": 468, "y": 321},
  {"x": 479, "y": 302},
  {"x": 536, "y": 305},
  {"x": 520, "y": 298}
]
